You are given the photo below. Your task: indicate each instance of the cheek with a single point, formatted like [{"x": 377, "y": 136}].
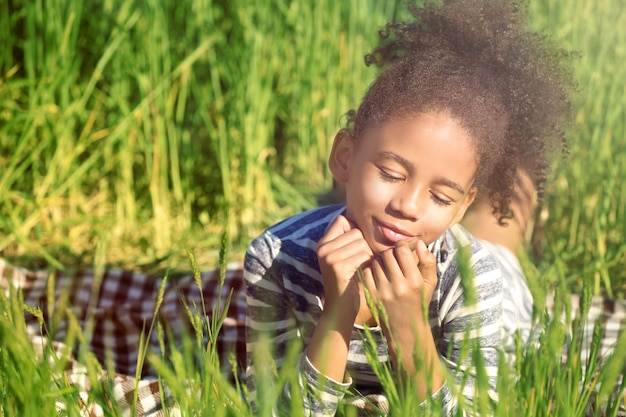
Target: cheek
[
  {"x": 437, "y": 221},
  {"x": 373, "y": 192}
]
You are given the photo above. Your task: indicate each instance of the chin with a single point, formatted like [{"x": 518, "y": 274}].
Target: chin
[{"x": 380, "y": 247}]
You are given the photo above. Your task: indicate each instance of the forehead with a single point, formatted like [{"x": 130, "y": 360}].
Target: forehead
[
  {"x": 435, "y": 128},
  {"x": 431, "y": 140}
]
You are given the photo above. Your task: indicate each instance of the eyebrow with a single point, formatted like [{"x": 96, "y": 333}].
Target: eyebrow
[
  {"x": 410, "y": 167},
  {"x": 446, "y": 182},
  {"x": 395, "y": 157}
]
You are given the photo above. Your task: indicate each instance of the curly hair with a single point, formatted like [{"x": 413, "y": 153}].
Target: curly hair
[{"x": 507, "y": 86}]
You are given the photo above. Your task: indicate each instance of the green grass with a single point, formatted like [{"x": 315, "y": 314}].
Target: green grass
[
  {"x": 33, "y": 384},
  {"x": 145, "y": 127},
  {"x": 141, "y": 129},
  {"x": 584, "y": 229},
  {"x": 133, "y": 131}
]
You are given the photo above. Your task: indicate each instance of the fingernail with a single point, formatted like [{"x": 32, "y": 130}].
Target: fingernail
[{"x": 422, "y": 245}]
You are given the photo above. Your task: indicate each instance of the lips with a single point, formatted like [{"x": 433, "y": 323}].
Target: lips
[{"x": 393, "y": 234}]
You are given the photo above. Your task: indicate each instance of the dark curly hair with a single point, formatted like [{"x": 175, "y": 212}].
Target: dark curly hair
[{"x": 508, "y": 87}]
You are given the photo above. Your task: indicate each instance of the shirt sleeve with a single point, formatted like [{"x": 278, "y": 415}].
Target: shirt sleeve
[{"x": 271, "y": 327}]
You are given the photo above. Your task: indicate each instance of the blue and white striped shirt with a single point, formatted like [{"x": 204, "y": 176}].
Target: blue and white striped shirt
[{"x": 284, "y": 294}]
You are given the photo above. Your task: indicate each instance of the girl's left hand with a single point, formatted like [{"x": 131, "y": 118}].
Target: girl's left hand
[{"x": 403, "y": 281}]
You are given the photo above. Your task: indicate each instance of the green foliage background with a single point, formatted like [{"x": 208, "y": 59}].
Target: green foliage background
[{"x": 131, "y": 131}]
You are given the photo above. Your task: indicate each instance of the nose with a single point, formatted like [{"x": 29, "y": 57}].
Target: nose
[{"x": 410, "y": 203}]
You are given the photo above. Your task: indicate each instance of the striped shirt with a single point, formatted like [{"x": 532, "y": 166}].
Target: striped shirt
[
  {"x": 517, "y": 305},
  {"x": 284, "y": 294}
]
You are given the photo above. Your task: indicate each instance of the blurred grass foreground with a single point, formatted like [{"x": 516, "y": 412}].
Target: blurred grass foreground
[{"x": 131, "y": 131}]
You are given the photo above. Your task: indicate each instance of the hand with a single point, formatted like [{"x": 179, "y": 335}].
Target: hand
[
  {"x": 341, "y": 251},
  {"x": 402, "y": 281}
]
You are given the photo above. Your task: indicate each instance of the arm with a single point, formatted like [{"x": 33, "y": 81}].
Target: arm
[
  {"x": 341, "y": 251},
  {"x": 420, "y": 359},
  {"x": 402, "y": 283},
  {"x": 269, "y": 324},
  {"x": 271, "y": 317}
]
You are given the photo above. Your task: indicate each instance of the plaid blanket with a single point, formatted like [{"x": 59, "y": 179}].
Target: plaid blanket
[
  {"x": 150, "y": 401},
  {"x": 120, "y": 306}
]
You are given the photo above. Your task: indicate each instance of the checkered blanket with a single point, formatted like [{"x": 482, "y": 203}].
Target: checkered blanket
[
  {"x": 151, "y": 400},
  {"x": 119, "y": 306}
]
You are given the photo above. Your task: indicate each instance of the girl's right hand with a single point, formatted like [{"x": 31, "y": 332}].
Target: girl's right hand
[{"x": 341, "y": 251}]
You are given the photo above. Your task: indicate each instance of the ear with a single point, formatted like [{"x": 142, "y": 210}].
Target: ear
[
  {"x": 340, "y": 156},
  {"x": 467, "y": 202}
]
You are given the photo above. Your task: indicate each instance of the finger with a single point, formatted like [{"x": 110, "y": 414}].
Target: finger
[
  {"x": 393, "y": 271},
  {"x": 352, "y": 237},
  {"x": 381, "y": 281},
  {"x": 427, "y": 264},
  {"x": 407, "y": 261},
  {"x": 411, "y": 243},
  {"x": 340, "y": 236},
  {"x": 346, "y": 253},
  {"x": 342, "y": 250},
  {"x": 351, "y": 222},
  {"x": 367, "y": 279},
  {"x": 360, "y": 259},
  {"x": 339, "y": 226}
]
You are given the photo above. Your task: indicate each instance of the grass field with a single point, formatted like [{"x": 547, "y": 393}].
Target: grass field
[
  {"x": 132, "y": 131},
  {"x": 139, "y": 130}
]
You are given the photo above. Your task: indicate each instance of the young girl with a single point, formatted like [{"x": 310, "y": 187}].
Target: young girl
[{"x": 466, "y": 97}]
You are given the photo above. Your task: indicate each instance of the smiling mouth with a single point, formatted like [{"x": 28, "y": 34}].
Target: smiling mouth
[{"x": 393, "y": 235}]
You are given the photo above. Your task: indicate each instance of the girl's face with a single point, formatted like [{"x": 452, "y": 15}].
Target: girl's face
[{"x": 408, "y": 179}]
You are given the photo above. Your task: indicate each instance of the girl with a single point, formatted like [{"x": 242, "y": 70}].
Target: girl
[{"x": 466, "y": 97}]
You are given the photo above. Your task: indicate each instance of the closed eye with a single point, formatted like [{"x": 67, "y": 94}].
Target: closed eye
[
  {"x": 440, "y": 200},
  {"x": 389, "y": 177}
]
